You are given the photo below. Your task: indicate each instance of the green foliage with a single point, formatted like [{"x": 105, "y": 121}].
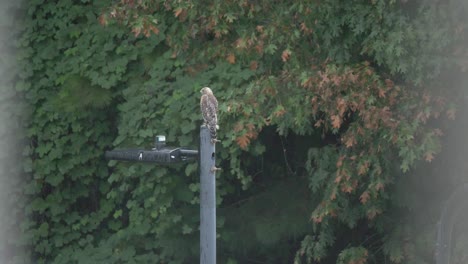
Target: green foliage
[
  {"x": 353, "y": 255},
  {"x": 323, "y": 108}
]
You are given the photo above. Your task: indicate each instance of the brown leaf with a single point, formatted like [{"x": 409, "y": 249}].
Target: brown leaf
[
  {"x": 253, "y": 65},
  {"x": 346, "y": 188},
  {"x": 178, "y": 11},
  {"x": 238, "y": 127},
  {"x": 336, "y": 121},
  {"x": 451, "y": 114},
  {"x": 389, "y": 83},
  {"x": 318, "y": 123},
  {"x": 364, "y": 197},
  {"x": 381, "y": 93},
  {"x": 363, "y": 168},
  {"x": 240, "y": 43},
  {"x": 259, "y": 48},
  {"x": 336, "y": 79},
  {"x": 243, "y": 141},
  {"x": 285, "y": 55},
  {"x": 136, "y": 31},
  {"x": 350, "y": 141},
  {"x": 379, "y": 186},
  {"x": 429, "y": 156},
  {"x": 280, "y": 112},
  {"x": 338, "y": 179},
  {"x": 352, "y": 77},
  {"x": 103, "y": 20},
  {"x": 339, "y": 163},
  {"x": 372, "y": 213},
  {"x": 341, "y": 106},
  {"x": 251, "y": 128},
  {"x": 231, "y": 58},
  {"x": 154, "y": 29}
]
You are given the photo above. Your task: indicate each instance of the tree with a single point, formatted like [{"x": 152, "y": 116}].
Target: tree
[{"x": 323, "y": 109}]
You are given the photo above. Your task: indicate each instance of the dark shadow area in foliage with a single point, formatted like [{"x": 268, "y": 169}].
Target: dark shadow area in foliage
[{"x": 271, "y": 221}]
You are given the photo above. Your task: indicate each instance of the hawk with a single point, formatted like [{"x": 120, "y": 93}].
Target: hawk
[{"x": 209, "y": 109}]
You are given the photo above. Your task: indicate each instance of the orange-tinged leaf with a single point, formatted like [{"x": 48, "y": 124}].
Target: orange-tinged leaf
[
  {"x": 280, "y": 112},
  {"x": 350, "y": 141},
  {"x": 339, "y": 163},
  {"x": 346, "y": 188},
  {"x": 363, "y": 168},
  {"x": 341, "y": 106},
  {"x": 178, "y": 11},
  {"x": 338, "y": 179},
  {"x": 429, "y": 156},
  {"x": 381, "y": 93},
  {"x": 305, "y": 29},
  {"x": 336, "y": 121},
  {"x": 379, "y": 186},
  {"x": 364, "y": 197},
  {"x": 154, "y": 29},
  {"x": 318, "y": 123},
  {"x": 285, "y": 55},
  {"x": 336, "y": 79},
  {"x": 231, "y": 58},
  {"x": 243, "y": 141}
]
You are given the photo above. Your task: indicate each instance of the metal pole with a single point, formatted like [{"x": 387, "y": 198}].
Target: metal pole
[{"x": 207, "y": 199}]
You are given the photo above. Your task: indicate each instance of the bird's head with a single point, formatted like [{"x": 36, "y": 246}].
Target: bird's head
[{"x": 206, "y": 90}]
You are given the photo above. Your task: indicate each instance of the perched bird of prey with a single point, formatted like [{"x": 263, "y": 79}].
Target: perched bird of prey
[{"x": 209, "y": 109}]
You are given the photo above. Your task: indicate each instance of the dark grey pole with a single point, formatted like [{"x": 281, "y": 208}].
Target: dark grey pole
[{"x": 207, "y": 198}]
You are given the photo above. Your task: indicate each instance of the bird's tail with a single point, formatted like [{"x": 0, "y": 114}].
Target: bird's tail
[{"x": 213, "y": 133}]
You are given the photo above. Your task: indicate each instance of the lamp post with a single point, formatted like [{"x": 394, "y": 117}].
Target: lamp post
[{"x": 162, "y": 154}]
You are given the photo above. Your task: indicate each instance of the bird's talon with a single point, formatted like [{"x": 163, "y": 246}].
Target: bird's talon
[{"x": 214, "y": 141}]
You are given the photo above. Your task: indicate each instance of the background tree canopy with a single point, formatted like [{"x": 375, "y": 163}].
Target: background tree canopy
[{"x": 332, "y": 114}]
